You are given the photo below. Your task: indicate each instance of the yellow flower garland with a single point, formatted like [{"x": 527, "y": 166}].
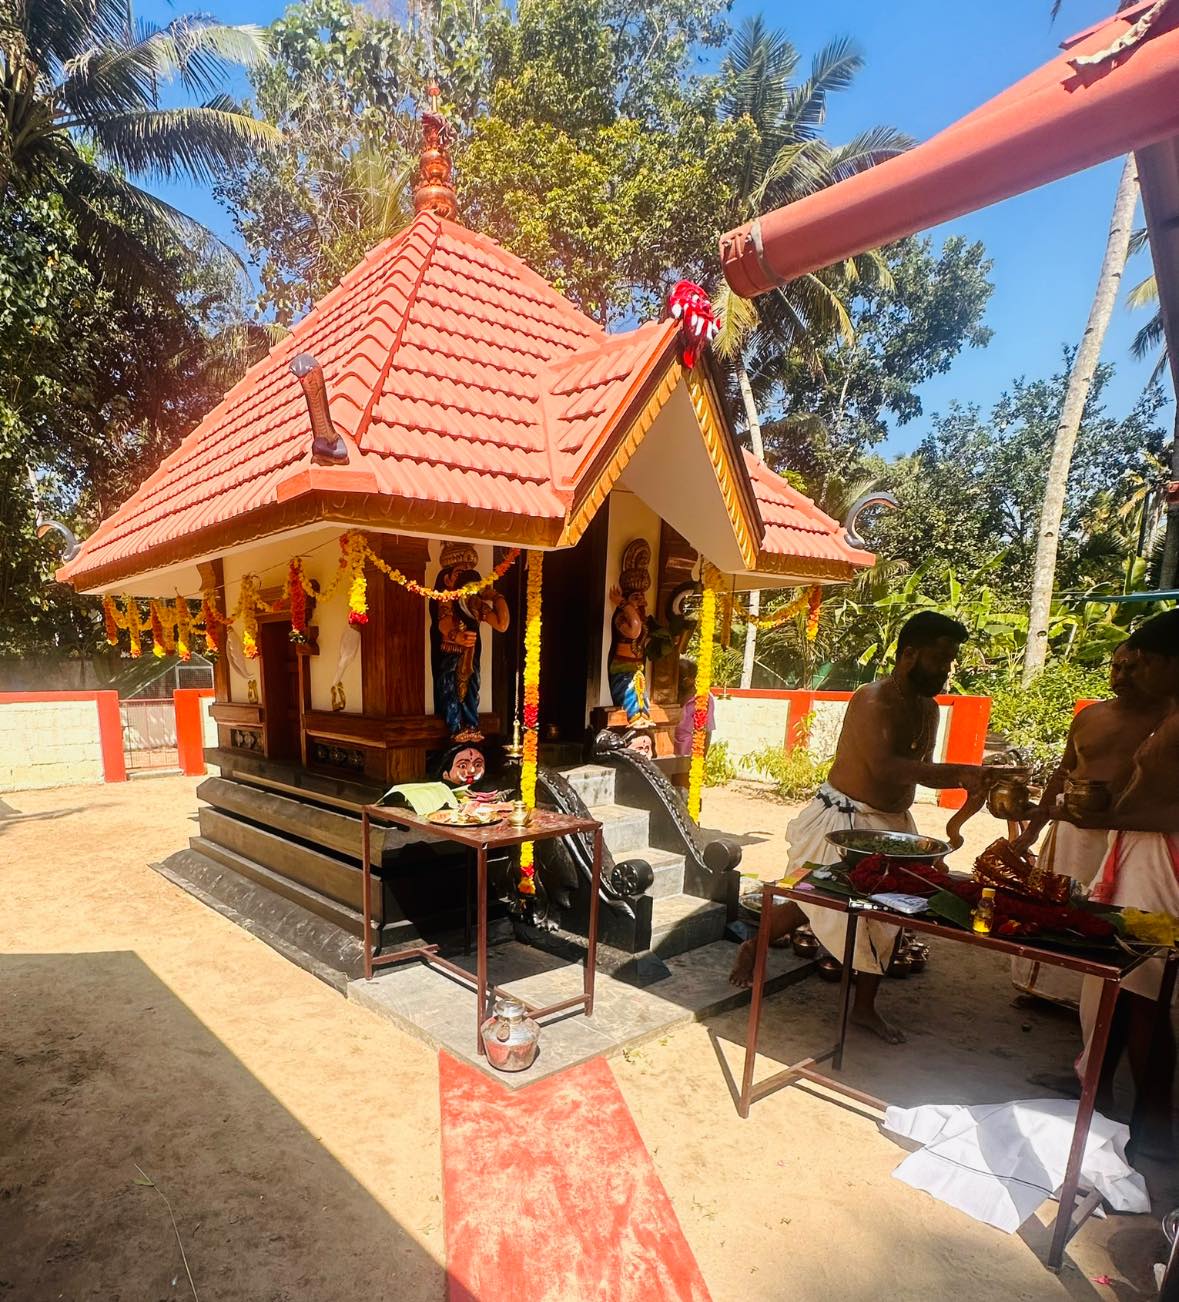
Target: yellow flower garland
[
  {"x": 531, "y": 713},
  {"x": 167, "y": 617},
  {"x": 703, "y": 689}
]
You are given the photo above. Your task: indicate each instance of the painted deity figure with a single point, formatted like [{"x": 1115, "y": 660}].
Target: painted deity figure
[
  {"x": 454, "y": 641},
  {"x": 628, "y": 641}
]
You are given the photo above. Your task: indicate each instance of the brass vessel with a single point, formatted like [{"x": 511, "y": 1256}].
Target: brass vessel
[
  {"x": 1086, "y": 796},
  {"x": 1009, "y": 798}
]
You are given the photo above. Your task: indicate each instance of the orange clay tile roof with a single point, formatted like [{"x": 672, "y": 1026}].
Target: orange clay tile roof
[
  {"x": 795, "y": 526},
  {"x": 465, "y": 386}
]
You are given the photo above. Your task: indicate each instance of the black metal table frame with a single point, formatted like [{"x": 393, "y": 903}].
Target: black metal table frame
[
  {"x": 498, "y": 836},
  {"x": 806, "y": 1068}
]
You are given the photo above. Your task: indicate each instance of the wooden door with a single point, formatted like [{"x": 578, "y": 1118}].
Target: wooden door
[{"x": 280, "y": 691}]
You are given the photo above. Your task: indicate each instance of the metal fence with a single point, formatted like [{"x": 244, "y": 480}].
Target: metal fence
[{"x": 149, "y": 734}]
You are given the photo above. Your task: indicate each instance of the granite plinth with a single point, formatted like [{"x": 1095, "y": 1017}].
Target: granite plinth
[{"x": 432, "y": 1007}]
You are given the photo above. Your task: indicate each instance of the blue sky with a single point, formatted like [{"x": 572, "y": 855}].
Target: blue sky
[{"x": 927, "y": 64}]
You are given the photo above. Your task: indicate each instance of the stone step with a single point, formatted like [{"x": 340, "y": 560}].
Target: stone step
[
  {"x": 668, "y": 868},
  {"x": 625, "y": 830},
  {"x": 683, "y": 922},
  {"x": 594, "y": 783}
]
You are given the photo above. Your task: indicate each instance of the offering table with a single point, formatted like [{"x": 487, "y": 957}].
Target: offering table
[
  {"x": 543, "y": 825},
  {"x": 1111, "y": 970}
]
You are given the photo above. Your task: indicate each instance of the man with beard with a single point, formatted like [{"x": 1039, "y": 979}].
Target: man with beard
[
  {"x": 1141, "y": 871},
  {"x": 883, "y": 754}
]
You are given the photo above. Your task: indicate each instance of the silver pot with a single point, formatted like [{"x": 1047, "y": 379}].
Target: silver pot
[{"x": 510, "y": 1036}]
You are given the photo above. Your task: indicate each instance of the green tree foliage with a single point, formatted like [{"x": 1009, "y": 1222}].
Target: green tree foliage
[
  {"x": 600, "y": 162},
  {"x": 904, "y": 332},
  {"x": 975, "y": 483},
  {"x": 95, "y": 387},
  {"x": 81, "y": 112}
]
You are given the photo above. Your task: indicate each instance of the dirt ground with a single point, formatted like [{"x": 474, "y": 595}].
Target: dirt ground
[{"x": 296, "y": 1137}]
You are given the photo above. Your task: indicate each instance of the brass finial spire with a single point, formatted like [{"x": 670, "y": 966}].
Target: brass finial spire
[{"x": 434, "y": 191}]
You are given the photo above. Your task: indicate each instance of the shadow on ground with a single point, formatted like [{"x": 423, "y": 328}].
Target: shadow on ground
[{"x": 264, "y": 1211}]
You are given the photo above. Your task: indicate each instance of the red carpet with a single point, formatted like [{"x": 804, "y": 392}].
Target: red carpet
[{"x": 550, "y": 1195}]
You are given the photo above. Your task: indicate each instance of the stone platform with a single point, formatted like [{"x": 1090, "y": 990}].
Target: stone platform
[{"x": 431, "y": 1006}]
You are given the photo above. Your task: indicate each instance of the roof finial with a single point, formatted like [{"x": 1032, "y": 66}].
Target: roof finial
[{"x": 434, "y": 191}]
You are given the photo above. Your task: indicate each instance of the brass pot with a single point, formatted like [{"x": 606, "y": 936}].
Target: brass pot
[
  {"x": 1009, "y": 798},
  {"x": 806, "y": 944},
  {"x": 1086, "y": 796}
]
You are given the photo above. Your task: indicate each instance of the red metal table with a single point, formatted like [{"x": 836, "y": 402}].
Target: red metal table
[
  {"x": 1110, "y": 974},
  {"x": 544, "y": 825}
]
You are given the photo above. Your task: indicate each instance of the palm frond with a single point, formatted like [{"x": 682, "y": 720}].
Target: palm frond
[
  {"x": 832, "y": 70},
  {"x": 738, "y": 320},
  {"x": 195, "y": 142},
  {"x": 1144, "y": 293},
  {"x": 1139, "y": 239},
  {"x": 1149, "y": 337},
  {"x": 868, "y": 149}
]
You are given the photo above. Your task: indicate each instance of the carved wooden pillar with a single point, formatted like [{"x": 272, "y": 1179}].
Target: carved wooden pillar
[
  {"x": 676, "y": 560},
  {"x": 212, "y": 575}
]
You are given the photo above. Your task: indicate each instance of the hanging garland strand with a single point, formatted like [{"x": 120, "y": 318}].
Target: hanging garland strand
[
  {"x": 809, "y": 600},
  {"x": 531, "y": 714},
  {"x": 703, "y": 690},
  {"x": 172, "y": 625}
]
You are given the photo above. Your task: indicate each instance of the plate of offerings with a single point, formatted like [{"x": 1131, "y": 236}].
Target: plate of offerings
[
  {"x": 468, "y": 816},
  {"x": 1002, "y": 866},
  {"x": 855, "y": 845}
]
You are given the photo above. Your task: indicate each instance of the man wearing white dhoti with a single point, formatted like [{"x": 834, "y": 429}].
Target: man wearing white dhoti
[
  {"x": 1141, "y": 870},
  {"x": 1102, "y": 742},
  {"x": 883, "y": 753}
]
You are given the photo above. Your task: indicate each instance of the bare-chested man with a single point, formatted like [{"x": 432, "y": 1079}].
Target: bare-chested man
[
  {"x": 1141, "y": 871},
  {"x": 1102, "y": 742},
  {"x": 883, "y": 753}
]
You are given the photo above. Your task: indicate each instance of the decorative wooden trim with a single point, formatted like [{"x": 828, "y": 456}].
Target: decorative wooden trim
[
  {"x": 242, "y": 716},
  {"x": 377, "y": 511},
  {"x": 731, "y": 479},
  {"x": 793, "y": 570},
  {"x": 401, "y": 732},
  {"x": 603, "y": 478}
]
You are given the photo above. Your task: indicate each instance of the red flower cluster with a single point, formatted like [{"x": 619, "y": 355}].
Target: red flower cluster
[
  {"x": 531, "y": 715},
  {"x": 1014, "y": 915}
]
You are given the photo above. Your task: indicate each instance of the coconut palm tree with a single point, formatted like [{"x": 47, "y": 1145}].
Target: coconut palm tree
[
  {"x": 785, "y": 158},
  {"x": 81, "y": 114}
]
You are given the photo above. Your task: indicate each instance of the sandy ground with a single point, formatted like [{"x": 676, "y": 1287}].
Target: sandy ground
[{"x": 296, "y": 1136}]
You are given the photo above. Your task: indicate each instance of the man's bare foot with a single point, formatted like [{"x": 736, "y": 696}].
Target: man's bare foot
[
  {"x": 872, "y": 1021},
  {"x": 742, "y": 973}
]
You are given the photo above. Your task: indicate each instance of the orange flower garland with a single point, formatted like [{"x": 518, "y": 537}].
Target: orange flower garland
[
  {"x": 808, "y": 600},
  {"x": 183, "y": 630},
  {"x": 157, "y": 631},
  {"x": 443, "y": 594},
  {"x": 211, "y": 618},
  {"x": 297, "y": 597},
  {"x": 249, "y": 604},
  {"x": 703, "y": 688},
  {"x": 110, "y": 620},
  {"x": 134, "y": 627},
  {"x": 531, "y": 714}
]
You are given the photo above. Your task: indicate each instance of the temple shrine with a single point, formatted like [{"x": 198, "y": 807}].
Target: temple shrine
[{"x": 445, "y": 421}]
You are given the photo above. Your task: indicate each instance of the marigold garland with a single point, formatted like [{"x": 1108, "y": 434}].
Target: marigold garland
[
  {"x": 809, "y": 600},
  {"x": 157, "y": 631},
  {"x": 110, "y": 619},
  {"x": 703, "y": 689},
  {"x": 167, "y": 617},
  {"x": 297, "y": 597},
  {"x": 211, "y": 617},
  {"x": 815, "y": 600},
  {"x": 183, "y": 630},
  {"x": 531, "y": 713}
]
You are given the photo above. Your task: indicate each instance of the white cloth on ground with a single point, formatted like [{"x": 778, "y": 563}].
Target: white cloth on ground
[
  {"x": 1070, "y": 851},
  {"x": 999, "y": 1162},
  {"x": 1141, "y": 871},
  {"x": 806, "y": 835}
]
